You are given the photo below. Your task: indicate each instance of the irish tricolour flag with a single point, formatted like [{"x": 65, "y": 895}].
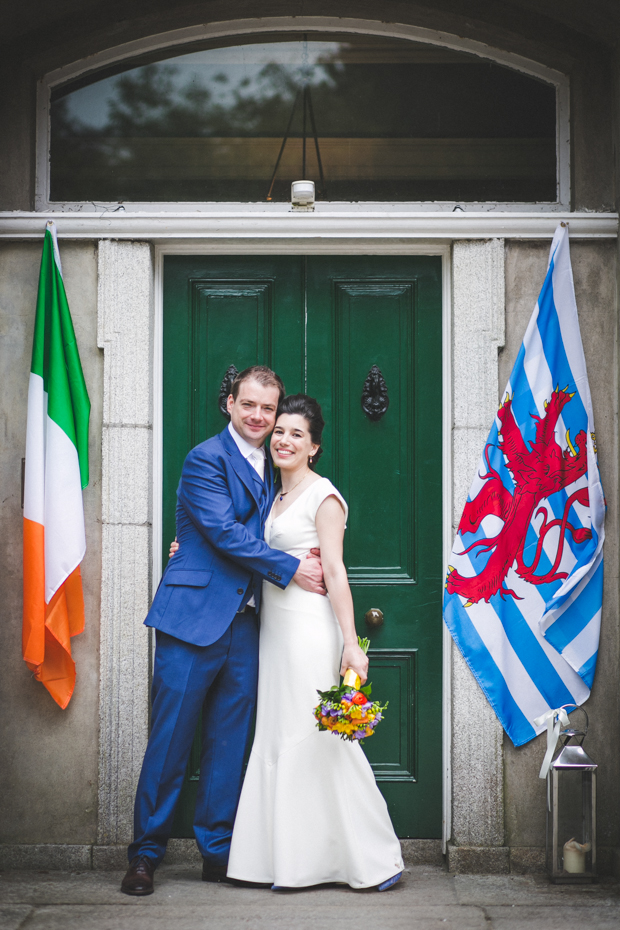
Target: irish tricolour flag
[{"x": 56, "y": 472}]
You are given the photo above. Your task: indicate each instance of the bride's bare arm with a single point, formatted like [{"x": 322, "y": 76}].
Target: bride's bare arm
[{"x": 330, "y": 527}]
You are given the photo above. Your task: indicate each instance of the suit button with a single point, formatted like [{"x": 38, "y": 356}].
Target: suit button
[{"x": 239, "y": 590}]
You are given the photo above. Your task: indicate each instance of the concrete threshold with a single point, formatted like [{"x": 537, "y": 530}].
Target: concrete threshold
[
  {"x": 476, "y": 860},
  {"x": 60, "y": 857},
  {"x": 427, "y": 898}
]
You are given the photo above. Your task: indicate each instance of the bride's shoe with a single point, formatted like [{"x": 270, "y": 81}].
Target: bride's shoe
[{"x": 390, "y": 882}]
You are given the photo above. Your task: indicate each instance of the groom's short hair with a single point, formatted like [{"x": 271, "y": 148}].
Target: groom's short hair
[{"x": 263, "y": 375}]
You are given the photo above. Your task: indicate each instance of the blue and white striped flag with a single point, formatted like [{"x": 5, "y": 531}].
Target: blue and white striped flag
[{"x": 525, "y": 584}]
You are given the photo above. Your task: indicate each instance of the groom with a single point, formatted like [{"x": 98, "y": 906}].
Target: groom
[{"x": 205, "y": 616}]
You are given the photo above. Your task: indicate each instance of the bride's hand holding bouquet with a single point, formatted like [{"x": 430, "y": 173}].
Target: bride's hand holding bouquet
[
  {"x": 355, "y": 658},
  {"x": 346, "y": 709}
]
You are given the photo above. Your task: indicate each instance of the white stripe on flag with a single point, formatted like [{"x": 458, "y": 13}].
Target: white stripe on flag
[
  {"x": 564, "y": 298},
  {"x": 490, "y": 630},
  {"x": 584, "y": 574},
  {"x": 532, "y": 606},
  {"x": 34, "y": 478},
  {"x": 584, "y": 645},
  {"x": 537, "y": 370},
  {"x": 65, "y": 542}
]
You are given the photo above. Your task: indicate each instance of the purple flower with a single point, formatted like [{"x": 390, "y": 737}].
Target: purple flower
[
  {"x": 347, "y": 697},
  {"x": 335, "y": 713},
  {"x": 358, "y": 735}
]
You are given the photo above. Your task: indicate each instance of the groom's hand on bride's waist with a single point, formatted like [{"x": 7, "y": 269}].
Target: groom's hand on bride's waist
[{"x": 309, "y": 575}]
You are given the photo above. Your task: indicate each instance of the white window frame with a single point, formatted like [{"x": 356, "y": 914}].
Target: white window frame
[{"x": 236, "y": 28}]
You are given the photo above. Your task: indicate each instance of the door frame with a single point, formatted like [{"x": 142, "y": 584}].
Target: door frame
[{"x": 317, "y": 247}]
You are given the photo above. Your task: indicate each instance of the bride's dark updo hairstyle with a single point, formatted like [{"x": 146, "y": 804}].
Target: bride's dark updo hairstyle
[{"x": 310, "y": 410}]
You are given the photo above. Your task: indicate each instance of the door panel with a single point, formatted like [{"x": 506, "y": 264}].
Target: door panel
[
  {"x": 386, "y": 311},
  {"x": 373, "y": 322},
  {"x": 214, "y": 305},
  {"x": 323, "y": 323},
  {"x": 218, "y": 312},
  {"x": 393, "y": 758}
]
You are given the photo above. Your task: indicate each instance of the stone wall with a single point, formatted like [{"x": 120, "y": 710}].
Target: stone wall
[
  {"x": 53, "y": 759},
  {"x": 48, "y": 776},
  {"x": 125, "y": 333},
  {"x": 478, "y": 303},
  {"x": 594, "y": 271}
]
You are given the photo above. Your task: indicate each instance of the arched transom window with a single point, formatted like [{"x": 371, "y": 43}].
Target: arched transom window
[{"x": 368, "y": 118}]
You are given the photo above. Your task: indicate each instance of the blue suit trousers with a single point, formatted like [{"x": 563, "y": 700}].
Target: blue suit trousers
[{"x": 220, "y": 680}]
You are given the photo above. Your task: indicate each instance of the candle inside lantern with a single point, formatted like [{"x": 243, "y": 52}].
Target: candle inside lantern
[{"x": 575, "y": 856}]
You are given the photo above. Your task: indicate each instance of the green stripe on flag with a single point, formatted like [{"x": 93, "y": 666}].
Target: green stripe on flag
[{"x": 56, "y": 359}]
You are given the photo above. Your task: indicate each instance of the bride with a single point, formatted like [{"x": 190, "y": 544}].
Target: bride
[{"x": 310, "y": 811}]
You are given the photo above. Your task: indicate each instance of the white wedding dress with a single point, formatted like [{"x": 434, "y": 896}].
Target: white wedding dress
[{"x": 310, "y": 810}]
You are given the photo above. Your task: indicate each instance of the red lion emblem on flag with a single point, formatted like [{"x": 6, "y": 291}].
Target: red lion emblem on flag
[{"x": 538, "y": 472}]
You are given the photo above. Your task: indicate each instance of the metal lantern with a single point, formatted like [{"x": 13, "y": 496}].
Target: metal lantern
[{"x": 571, "y": 808}]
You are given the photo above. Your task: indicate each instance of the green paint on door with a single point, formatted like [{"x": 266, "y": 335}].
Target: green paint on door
[{"x": 323, "y": 323}]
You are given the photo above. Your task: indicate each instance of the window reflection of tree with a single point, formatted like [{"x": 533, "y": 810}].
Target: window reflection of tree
[{"x": 351, "y": 100}]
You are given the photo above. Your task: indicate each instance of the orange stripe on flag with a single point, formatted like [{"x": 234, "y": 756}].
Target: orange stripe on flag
[
  {"x": 33, "y": 629},
  {"x": 48, "y": 628}
]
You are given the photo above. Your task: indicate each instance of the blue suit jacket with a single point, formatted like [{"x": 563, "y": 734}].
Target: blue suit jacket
[{"x": 222, "y": 559}]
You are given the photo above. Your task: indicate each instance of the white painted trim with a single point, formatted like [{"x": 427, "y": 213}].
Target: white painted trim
[
  {"x": 562, "y": 144},
  {"x": 236, "y": 27},
  {"x": 446, "y": 481},
  {"x": 194, "y": 34},
  {"x": 274, "y": 230},
  {"x": 157, "y": 418}
]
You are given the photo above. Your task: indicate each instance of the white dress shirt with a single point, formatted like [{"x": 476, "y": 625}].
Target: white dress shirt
[{"x": 256, "y": 458}]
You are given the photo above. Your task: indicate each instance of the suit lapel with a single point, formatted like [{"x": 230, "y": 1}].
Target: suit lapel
[
  {"x": 257, "y": 478},
  {"x": 242, "y": 468},
  {"x": 269, "y": 477},
  {"x": 267, "y": 487},
  {"x": 261, "y": 490}
]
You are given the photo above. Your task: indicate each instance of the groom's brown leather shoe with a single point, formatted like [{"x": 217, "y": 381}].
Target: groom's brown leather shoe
[
  {"x": 215, "y": 873},
  {"x": 139, "y": 876}
]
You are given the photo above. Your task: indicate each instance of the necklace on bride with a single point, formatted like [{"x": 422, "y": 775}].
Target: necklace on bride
[{"x": 284, "y": 493}]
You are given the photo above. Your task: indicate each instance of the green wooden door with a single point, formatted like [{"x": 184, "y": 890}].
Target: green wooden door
[{"x": 326, "y": 324}]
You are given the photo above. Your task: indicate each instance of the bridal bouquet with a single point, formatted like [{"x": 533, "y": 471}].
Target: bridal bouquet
[{"x": 346, "y": 709}]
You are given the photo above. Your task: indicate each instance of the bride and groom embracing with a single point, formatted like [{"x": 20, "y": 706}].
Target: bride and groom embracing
[{"x": 310, "y": 811}]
